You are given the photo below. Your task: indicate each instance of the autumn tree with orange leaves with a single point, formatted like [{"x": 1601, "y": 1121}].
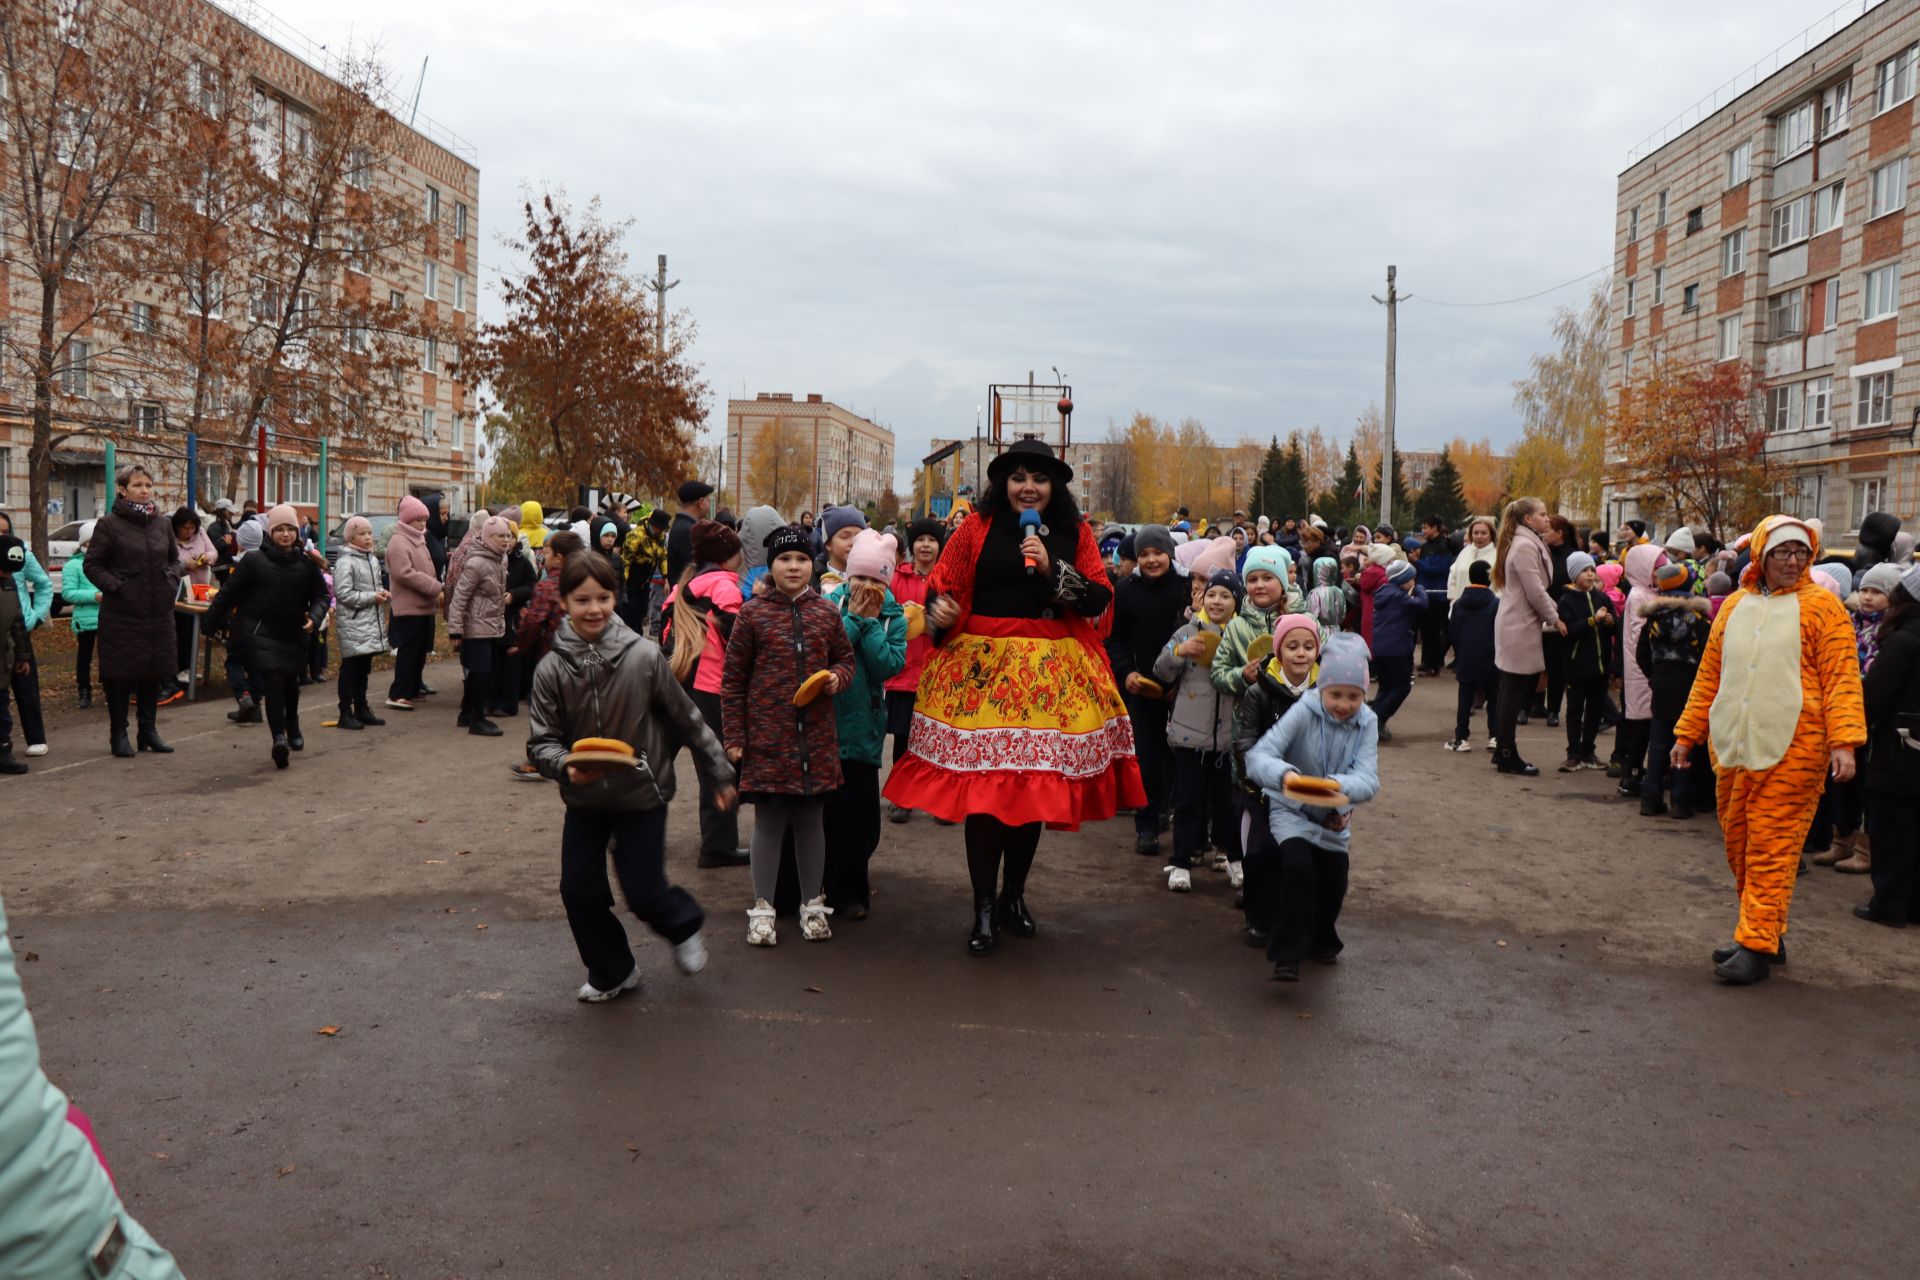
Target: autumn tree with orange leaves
[
  {"x": 575, "y": 363},
  {"x": 1687, "y": 438}
]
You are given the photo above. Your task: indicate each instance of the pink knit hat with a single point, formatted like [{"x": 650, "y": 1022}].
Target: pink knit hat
[
  {"x": 1218, "y": 553},
  {"x": 282, "y": 514},
  {"x": 498, "y": 525},
  {"x": 411, "y": 509},
  {"x": 355, "y": 525},
  {"x": 1296, "y": 622},
  {"x": 873, "y": 556}
]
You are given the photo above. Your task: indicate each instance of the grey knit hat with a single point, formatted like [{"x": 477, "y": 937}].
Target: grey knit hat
[
  {"x": 1882, "y": 577},
  {"x": 1152, "y": 537}
]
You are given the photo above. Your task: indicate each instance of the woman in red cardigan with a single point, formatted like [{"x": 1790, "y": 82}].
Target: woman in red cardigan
[{"x": 1017, "y": 722}]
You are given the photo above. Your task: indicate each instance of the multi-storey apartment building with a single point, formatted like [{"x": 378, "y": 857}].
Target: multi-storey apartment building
[
  {"x": 140, "y": 406},
  {"x": 849, "y": 459},
  {"x": 1775, "y": 230}
]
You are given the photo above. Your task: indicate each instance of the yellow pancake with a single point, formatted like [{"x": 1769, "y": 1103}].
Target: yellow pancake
[
  {"x": 1261, "y": 648},
  {"x": 916, "y": 619},
  {"x": 811, "y": 688}
]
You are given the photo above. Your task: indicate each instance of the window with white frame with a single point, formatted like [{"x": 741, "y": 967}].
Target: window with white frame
[
  {"x": 1690, "y": 298},
  {"x": 1633, "y": 294},
  {"x": 1785, "y": 315},
  {"x": 1633, "y": 224},
  {"x": 1783, "y": 408},
  {"x": 430, "y": 356},
  {"x": 1882, "y": 293},
  {"x": 360, "y": 168},
  {"x": 1729, "y": 345},
  {"x": 1626, "y": 365},
  {"x": 75, "y": 374},
  {"x": 1733, "y": 252},
  {"x": 459, "y": 220},
  {"x": 433, "y": 281},
  {"x": 1660, "y": 210},
  {"x": 145, "y": 217},
  {"x": 429, "y": 427},
  {"x": 302, "y": 482},
  {"x": 353, "y": 493},
  {"x": 1659, "y": 285},
  {"x": 1873, "y": 405},
  {"x": 207, "y": 297},
  {"x": 359, "y": 261},
  {"x": 459, "y": 292},
  {"x": 144, "y": 417},
  {"x": 396, "y": 299},
  {"x": 1829, "y": 207},
  {"x": 459, "y": 431},
  {"x": 1819, "y": 411},
  {"x": 1739, "y": 164},
  {"x": 140, "y": 318},
  {"x": 1869, "y": 496},
  {"x": 433, "y": 205},
  {"x": 1790, "y": 221},
  {"x": 357, "y": 339},
  {"x": 1836, "y": 105},
  {"x": 203, "y": 87},
  {"x": 1889, "y": 188},
  {"x": 1833, "y": 305},
  {"x": 264, "y": 300},
  {"x": 1792, "y": 131},
  {"x": 1894, "y": 84}
]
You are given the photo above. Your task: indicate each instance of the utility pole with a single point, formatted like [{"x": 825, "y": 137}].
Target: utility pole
[
  {"x": 659, "y": 289},
  {"x": 1391, "y": 301}
]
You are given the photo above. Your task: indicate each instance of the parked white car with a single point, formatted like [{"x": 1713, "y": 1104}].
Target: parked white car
[{"x": 62, "y": 544}]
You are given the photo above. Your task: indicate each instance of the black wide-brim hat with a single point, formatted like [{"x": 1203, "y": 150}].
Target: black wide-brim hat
[{"x": 1032, "y": 454}]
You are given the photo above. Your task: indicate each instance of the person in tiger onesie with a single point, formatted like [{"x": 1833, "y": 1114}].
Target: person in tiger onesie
[{"x": 1778, "y": 702}]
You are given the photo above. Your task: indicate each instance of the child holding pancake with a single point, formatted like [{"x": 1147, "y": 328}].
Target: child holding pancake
[
  {"x": 1200, "y": 731},
  {"x": 607, "y": 691}
]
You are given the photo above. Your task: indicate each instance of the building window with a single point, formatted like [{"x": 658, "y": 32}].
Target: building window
[
  {"x": 1733, "y": 252},
  {"x": 1836, "y": 104},
  {"x": 1633, "y": 293},
  {"x": 6, "y": 467},
  {"x": 1869, "y": 496},
  {"x": 433, "y": 205},
  {"x": 1873, "y": 407},
  {"x": 396, "y": 299},
  {"x": 1833, "y": 305},
  {"x": 203, "y": 87},
  {"x": 459, "y": 220},
  {"x": 1660, "y": 210},
  {"x": 1889, "y": 188},
  {"x": 360, "y": 168},
  {"x": 1729, "y": 348},
  {"x": 1819, "y": 402},
  {"x": 1659, "y": 285},
  {"x": 1883, "y": 293},
  {"x": 353, "y": 493},
  {"x": 357, "y": 339},
  {"x": 302, "y": 482},
  {"x": 140, "y": 318},
  {"x": 1792, "y": 132},
  {"x": 430, "y": 356},
  {"x": 1626, "y": 365},
  {"x": 73, "y": 378},
  {"x": 1696, "y": 219},
  {"x": 1739, "y": 164},
  {"x": 1790, "y": 221},
  {"x": 433, "y": 281},
  {"x": 1690, "y": 298},
  {"x": 144, "y": 418},
  {"x": 1783, "y": 409},
  {"x": 1633, "y": 224},
  {"x": 1785, "y": 315},
  {"x": 459, "y": 292},
  {"x": 459, "y": 431},
  {"x": 207, "y": 297},
  {"x": 1895, "y": 83},
  {"x": 429, "y": 429},
  {"x": 1829, "y": 207},
  {"x": 145, "y": 218}
]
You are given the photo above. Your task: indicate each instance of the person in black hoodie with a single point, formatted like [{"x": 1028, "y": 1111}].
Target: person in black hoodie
[
  {"x": 1471, "y": 630},
  {"x": 1590, "y": 627},
  {"x": 1892, "y": 696},
  {"x": 1148, "y": 608},
  {"x": 523, "y": 575},
  {"x": 437, "y": 532},
  {"x": 273, "y": 603},
  {"x": 1877, "y": 532},
  {"x": 1669, "y": 651}
]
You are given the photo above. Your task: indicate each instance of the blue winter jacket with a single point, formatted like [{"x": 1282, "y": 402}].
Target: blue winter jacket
[
  {"x": 1436, "y": 561},
  {"x": 1308, "y": 741},
  {"x": 1396, "y": 619}
]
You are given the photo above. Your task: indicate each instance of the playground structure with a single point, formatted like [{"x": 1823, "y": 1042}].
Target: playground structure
[{"x": 1016, "y": 411}]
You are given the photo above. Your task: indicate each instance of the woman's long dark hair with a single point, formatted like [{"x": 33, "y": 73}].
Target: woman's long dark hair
[
  {"x": 1062, "y": 516},
  {"x": 1899, "y": 604}
]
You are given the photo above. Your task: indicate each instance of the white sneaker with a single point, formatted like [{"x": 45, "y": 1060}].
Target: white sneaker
[
  {"x": 1493, "y": 744},
  {"x": 1179, "y": 879},
  {"x": 183, "y": 677},
  {"x": 37, "y": 749},
  {"x": 1459, "y": 744},
  {"x": 691, "y": 955},
  {"x": 760, "y": 925},
  {"x": 1236, "y": 874},
  {"x": 813, "y": 920},
  {"x": 1219, "y": 860},
  {"x": 591, "y": 994}
]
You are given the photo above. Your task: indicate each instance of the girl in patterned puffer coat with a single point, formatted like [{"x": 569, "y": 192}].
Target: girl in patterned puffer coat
[{"x": 788, "y": 756}]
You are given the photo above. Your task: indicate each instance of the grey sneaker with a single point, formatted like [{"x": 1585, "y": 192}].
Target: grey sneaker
[
  {"x": 691, "y": 955},
  {"x": 591, "y": 994}
]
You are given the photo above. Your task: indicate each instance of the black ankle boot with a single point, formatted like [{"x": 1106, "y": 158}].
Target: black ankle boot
[
  {"x": 149, "y": 740},
  {"x": 1014, "y": 916},
  {"x": 280, "y": 751},
  {"x": 1507, "y": 760},
  {"x": 121, "y": 746},
  {"x": 364, "y": 714},
  {"x": 84, "y": 701},
  {"x": 1744, "y": 968},
  {"x": 983, "y": 939},
  {"x": 347, "y": 720}
]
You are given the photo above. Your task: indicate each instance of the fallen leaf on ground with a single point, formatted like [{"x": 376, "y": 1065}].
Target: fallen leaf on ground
[
  {"x": 461, "y": 853},
  {"x": 451, "y": 910},
  {"x": 1500, "y": 943},
  {"x": 328, "y": 1031},
  {"x": 285, "y": 1169},
  {"x": 158, "y": 1155},
  {"x": 480, "y": 926},
  {"x": 1303, "y": 1016},
  {"x": 816, "y": 991},
  {"x": 1793, "y": 1093},
  {"x": 434, "y": 862},
  {"x": 31, "y": 955}
]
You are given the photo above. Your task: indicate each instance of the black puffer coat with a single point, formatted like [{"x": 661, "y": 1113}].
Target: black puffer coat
[
  {"x": 1892, "y": 696},
  {"x": 266, "y": 604},
  {"x": 135, "y": 563}
]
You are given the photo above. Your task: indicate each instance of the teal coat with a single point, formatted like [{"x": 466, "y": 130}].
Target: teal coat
[
  {"x": 81, "y": 596},
  {"x": 36, "y": 592},
  {"x": 879, "y": 654},
  {"x": 56, "y": 1202}
]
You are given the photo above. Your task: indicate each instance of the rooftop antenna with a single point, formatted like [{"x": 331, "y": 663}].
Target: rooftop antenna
[{"x": 415, "y": 112}]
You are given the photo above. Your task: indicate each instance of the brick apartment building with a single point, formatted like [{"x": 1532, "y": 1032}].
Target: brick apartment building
[
  {"x": 136, "y": 406},
  {"x": 849, "y": 458},
  {"x": 1774, "y": 230}
]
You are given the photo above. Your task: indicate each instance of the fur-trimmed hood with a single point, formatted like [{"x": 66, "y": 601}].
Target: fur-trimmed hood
[{"x": 1699, "y": 604}]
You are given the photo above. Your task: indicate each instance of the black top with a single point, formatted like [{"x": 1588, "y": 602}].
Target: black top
[
  {"x": 1146, "y": 613},
  {"x": 1002, "y": 587},
  {"x": 679, "y": 546}
]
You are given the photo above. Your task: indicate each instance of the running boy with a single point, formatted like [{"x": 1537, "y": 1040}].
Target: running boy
[{"x": 602, "y": 679}]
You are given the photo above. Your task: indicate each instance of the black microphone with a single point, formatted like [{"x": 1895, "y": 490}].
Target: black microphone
[{"x": 1029, "y": 521}]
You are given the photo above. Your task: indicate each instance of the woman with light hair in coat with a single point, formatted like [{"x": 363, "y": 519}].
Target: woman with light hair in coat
[{"x": 1522, "y": 571}]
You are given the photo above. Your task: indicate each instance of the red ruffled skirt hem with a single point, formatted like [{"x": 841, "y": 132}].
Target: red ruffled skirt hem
[{"x": 1017, "y": 797}]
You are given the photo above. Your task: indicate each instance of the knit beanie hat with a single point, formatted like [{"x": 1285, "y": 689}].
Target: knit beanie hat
[
  {"x": 926, "y": 528},
  {"x": 1910, "y": 582},
  {"x": 1128, "y": 549},
  {"x": 1343, "y": 662},
  {"x": 1672, "y": 576},
  {"x": 1185, "y": 553},
  {"x": 1680, "y": 542},
  {"x": 1882, "y": 577},
  {"x": 788, "y": 537},
  {"x": 497, "y": 525},
  {"x": 355, "y": 525},
  {"x": 1399, "y": 571},
  {"x": 13, "y": 555},
  {"x": 250, "y": 535},
  {"x": 1480, "y": 574},
  {"x": 713, "y": 543},
  {"x": 1719, "y": 584},
  {"x": 1578, "y": 563},
  {"x": 834, "y": 519},
  {"x": 873, "y": 556},
  {"x": 1296, "y": 622},
  {"x": 86, "y": 532},
  {"x": 1380, "y": 553},
  {"x": 1217, "y": 553},
  {"x": 1152, "y": 537},
  {"x": 282, "y": 514},
  {"x": 1231, "y": 581},
  {"x": 411, "y": 509},
  {"x": 1834, "y": 579},
  {"x": 1273, "y": 560}
]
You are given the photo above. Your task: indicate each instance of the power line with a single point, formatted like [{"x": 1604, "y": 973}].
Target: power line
[{"x": 1506, "y": 302}]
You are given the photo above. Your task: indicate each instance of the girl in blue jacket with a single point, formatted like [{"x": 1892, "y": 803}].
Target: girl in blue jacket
[{"x": 1331, "y": 734}]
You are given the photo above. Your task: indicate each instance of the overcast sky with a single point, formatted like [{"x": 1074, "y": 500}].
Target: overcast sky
[{"x": 1184, "y": 207}]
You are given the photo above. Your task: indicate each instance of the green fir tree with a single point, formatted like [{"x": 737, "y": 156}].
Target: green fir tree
[{"x": 1443, "y": 496}]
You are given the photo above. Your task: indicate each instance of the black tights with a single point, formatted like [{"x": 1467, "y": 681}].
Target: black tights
[
  {"x": 144, "y": 694},
  {"x": 988, "y": 839},
  {"x": 279, "y": 691}
]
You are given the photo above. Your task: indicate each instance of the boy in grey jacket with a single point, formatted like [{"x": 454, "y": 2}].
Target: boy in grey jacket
[{"x": 1200, "y": 732}]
